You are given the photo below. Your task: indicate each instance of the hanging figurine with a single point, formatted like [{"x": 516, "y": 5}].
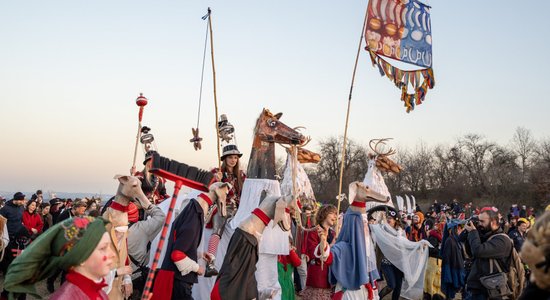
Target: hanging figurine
[
  {"x": 146, "y": 138},
  {"x": 196, "y": 140},
  {"x": 226, "y": 129}
]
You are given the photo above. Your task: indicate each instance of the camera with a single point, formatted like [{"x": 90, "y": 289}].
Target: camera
[{"x": 474, "y": 220}]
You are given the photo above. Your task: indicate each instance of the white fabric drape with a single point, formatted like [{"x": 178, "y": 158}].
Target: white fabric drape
[{"x": 409, "y": 257}]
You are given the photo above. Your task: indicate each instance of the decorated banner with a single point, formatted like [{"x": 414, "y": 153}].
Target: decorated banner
[{"x": 401, "y": 30}]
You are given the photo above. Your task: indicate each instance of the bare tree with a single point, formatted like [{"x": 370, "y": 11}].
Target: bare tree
[
  {"x": 524, "y": 146},
  {"x": 473, "y": 152},
  {"x": 325, "y": 179}
]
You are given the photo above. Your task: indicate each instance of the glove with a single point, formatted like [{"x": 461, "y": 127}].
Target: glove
[{"x": 186, "y": 266}]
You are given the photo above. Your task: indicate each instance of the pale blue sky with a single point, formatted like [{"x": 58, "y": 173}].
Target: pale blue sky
[{"x": 71, "y": 70}]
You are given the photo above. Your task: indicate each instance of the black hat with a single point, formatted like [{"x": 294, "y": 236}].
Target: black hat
[
  {"x": 55, "y": 201},
  {"x": 148, "y": 155},
  {"x": 19, "y": 196},
  {"x": 39, "y": 192},
  {"x": 230, "y": 150}
]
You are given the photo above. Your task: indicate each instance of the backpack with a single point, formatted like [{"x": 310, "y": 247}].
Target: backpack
[{"x": 516, "y": 271}]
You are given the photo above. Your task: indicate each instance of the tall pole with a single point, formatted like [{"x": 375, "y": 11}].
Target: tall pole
[
  {"x": 215, "y": 95},
  {"x": 347, "y": 118}
]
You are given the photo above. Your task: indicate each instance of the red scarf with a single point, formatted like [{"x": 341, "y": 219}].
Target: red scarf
[{"x": 89, "y": 287}]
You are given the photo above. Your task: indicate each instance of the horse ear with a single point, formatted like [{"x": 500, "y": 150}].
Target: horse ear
[{"x": 278, "y": 116}]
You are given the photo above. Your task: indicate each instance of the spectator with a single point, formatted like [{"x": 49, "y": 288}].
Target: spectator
[
  {"x": 453, "y": 273},
  {"x": 46, "y": 216},
  {"x": 416, "y": 232},
  {"x": 13, "y": 212},
  {"x": 486, "y": 242},
  {"x": 432, "y": 279},
  {"x": 32, "y": 220},
  {"x": 55, "y": 209},
  {"x": 536, "y": 253},
  {"x": 518, "y": 234},
  {"x": 77, "y": 210},
  {"x": 523, "y": 212},
  {"x": 92, "y": 205}
]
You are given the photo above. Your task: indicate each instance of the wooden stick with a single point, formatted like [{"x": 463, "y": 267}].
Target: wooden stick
[
  {"x": 215, "y": 95},
  {"x": 347, "y": 118},
  {"x": 135, "y": 148}
]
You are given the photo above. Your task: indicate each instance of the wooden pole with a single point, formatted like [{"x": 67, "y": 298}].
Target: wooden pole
[
  {"x": 215, "y": 95},
  {"x": 347, "y": 118}
]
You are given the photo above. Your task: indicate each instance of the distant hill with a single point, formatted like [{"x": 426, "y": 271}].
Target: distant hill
[{"x": 63, "y": 195}]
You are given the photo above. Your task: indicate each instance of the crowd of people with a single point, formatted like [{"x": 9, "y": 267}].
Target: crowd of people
[{"x": 467, "y": 248}]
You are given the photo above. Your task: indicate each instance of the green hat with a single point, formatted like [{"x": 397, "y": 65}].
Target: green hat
[{"x": 64, "y": 245}]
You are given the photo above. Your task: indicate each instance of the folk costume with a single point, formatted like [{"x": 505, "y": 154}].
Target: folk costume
[
  {"x": 238, "y": 277},
  {"x": 353, "y": 271},
  {"x": 217, "y": 222},
  {"x": 408, "y": 257},
  {"x": 285, "y": 267},
  {"x": 178, "y": 272},
  {"x": 119, "y": 236},
  {"x": 317, "y": 285},
  {"x": 65, "y": 245}
]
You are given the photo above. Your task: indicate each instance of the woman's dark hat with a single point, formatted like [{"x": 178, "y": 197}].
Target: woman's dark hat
[
  {"x": 148, "y": 156},
  {"x": 230, "y": 150}
]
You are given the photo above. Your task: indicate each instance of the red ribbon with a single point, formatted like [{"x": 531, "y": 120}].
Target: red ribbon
[
  {"x": 359, "y": 204},
  {"x": 260, "y": 214},
  {"x": 206, "y": 198},
  {"x": 118, "y": 206}
]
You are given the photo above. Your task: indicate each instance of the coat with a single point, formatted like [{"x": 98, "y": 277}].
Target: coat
[
  {"x": 142, "y": 233},
  {"x": 31, "y": 221},
  {"x": 14, "y": 214},
  {"x": 499, "y": 248}
]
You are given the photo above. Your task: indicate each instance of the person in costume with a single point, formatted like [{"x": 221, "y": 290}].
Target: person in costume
[
  {"x": 317, "y": 285},
  {"x": 285, "y": 267},
  {"x": 230, "y": 172},
  {"x": 180, "y": 269},
  {"x": 145, "y": 224},
  {"x": 353, "y": 268},
  {"x": 78, "y": 245},
  {"x": 152, "y": 185},
  {"x": 392, "y": 275}
]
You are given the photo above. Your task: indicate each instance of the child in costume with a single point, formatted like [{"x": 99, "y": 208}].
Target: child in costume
[{"x": 78, "y": 245}]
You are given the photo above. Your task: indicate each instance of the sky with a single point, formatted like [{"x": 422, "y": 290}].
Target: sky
[{"x": 70, "y": 72}]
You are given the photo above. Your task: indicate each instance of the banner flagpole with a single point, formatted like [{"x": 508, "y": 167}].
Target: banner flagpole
[{"x": 347, "y": 120}]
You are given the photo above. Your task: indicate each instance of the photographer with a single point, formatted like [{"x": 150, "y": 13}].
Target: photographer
[{"x": 483, "y": 248}]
